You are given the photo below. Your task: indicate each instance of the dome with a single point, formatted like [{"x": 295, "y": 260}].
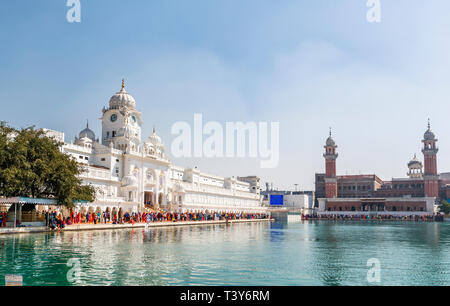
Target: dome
[
  {"x": 429, "y": 135},
  {"x": 415, "y": 168},
  {"x": 122, "y": 98},
  {"x": 415, "y": 162},
  {"x": 154, "y": 139},
  {"x": 330, "y": 142},
  {"x": 87, "y": 133},
  {"x": 129, "y": 181}
]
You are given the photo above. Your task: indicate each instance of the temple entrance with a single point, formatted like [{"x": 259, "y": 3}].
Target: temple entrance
[{"x": 148, "y": 199}]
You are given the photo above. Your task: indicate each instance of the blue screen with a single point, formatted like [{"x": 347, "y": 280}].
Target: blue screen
[{"x": 276, "y": 199}]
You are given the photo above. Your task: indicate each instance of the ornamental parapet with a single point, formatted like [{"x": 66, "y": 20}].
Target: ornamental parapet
[
  {"x": 430, "y": 151},
  {"x": 330, "y": 156}
]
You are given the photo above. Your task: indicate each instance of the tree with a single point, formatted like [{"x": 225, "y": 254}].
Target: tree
[
  {"x": 32, "y": 165},
  {"x": 445, "y": 207}
]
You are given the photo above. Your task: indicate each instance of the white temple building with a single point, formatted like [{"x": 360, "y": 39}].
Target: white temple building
[{"x": 130, "y": 174}]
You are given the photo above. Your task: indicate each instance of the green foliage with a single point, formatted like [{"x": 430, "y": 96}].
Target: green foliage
[
  {"x": 445, "y": 207},
  {"x": 32, "y": 165}
]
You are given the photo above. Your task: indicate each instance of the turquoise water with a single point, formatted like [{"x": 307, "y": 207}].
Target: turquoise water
[{"x": 309, "y": 253}]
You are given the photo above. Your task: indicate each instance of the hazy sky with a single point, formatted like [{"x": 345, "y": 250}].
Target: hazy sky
[{"x": 308, "y": 64}]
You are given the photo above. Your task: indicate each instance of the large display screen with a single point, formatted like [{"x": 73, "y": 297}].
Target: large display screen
[{"x": 276, "y": 199}]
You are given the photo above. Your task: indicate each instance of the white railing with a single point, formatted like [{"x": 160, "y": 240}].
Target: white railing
[
  {"x": 221, "y": 191},
  {"x": 77, "y": 148},
  {"x": 98, "y": 174}
]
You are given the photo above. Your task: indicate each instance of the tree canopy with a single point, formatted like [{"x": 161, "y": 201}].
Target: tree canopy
[
  {"x": 32, "y": 165},
  {"x": 445, "y": 207}
]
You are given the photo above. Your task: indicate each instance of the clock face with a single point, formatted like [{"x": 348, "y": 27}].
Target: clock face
[{"x": 113, "y": 117}]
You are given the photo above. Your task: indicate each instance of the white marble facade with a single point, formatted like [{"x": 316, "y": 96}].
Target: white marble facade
[{"x": 128, "y": 173}]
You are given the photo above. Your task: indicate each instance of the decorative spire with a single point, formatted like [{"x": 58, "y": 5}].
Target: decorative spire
[
  {"x": 154, "y": 130},
  {"x": 330, "y": 141},
  {"x": 123, "y": 84},
  {"x": 429, "y": 125},
  {"x": 87, "y": 123}
]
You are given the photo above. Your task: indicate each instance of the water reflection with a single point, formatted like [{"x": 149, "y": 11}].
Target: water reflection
[
  {"x": 308, "y": 253},
  {"x": 276, "y": 231},
  {"x": 329, "y": 255}
]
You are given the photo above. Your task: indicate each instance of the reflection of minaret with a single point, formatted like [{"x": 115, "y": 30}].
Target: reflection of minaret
[
  {"x": 330, "y": 156},
  {"x": 328, "y": 271},
  {"x": 430, "y": 170}
]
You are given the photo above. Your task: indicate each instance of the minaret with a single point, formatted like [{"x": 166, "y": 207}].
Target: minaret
[
  {"x": 330, "y": 156},
  {"x": 431, "y": 178}
]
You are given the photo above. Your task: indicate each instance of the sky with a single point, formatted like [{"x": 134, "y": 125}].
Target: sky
[{"x": 308, "y": 65}]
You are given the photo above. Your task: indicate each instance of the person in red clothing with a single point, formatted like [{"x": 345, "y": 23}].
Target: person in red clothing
[{"x": 4, "y": 219}]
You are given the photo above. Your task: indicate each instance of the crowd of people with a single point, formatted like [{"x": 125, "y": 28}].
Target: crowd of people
[
  {"x": 3, "y": 219},
  {"x": 56, "y": 220},
  {"x": 429, "y": 217}
]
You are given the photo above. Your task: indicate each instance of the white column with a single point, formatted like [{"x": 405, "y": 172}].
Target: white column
[
  {"x": 156, "y": 193},
  {"x": 165, "y": 189}
]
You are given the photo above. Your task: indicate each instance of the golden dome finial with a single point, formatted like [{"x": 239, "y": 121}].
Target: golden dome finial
[{"x": 123, "y": 84}]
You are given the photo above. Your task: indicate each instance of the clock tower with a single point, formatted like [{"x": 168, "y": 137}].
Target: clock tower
[{"x": 122, "y": 123}]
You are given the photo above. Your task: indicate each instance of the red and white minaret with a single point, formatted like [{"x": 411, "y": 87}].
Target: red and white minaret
[
  {"x": 430, "y": 177},
  {"x": 330, "y": 156}
]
